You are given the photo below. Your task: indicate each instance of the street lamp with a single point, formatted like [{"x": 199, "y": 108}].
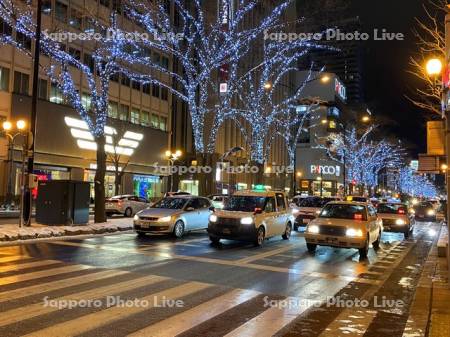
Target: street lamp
[
  {"x": 434, "y": 67},
  {"x": 12, "y": 134},
  {"x": 172, "y": 157}
]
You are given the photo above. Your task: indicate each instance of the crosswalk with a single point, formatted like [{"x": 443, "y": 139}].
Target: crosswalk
[{"x": 35, "y": 295}]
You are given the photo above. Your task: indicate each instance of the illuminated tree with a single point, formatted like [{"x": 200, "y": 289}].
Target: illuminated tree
[{"x": 414, "y": 184}]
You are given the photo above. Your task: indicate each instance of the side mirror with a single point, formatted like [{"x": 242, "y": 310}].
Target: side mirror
[
  {"x": 212, "y": 208},
  {"x": 190, "y": 209}
]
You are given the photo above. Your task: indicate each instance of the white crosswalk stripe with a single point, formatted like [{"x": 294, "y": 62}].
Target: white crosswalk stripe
[{"x": 17, "y": 267}]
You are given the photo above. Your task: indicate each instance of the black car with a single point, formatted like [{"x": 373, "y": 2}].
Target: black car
[{"x": 425, "y": 212}]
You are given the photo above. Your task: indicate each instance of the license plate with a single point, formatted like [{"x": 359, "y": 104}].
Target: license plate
[
  {"x": 145, "y": 224},
  {"x": 226, "y": 231},
  {"x": 332, "y": 240}
]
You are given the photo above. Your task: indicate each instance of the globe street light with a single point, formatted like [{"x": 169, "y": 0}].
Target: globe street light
[
  {"x": 434, "y": 67},
  {"x": 172, "y": 157}
]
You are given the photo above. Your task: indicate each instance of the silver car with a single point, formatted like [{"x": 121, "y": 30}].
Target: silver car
[{"x": 174, "y": 215}]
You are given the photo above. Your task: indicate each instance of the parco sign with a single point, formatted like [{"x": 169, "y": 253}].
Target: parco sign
[{"x": 326, "y": 170}]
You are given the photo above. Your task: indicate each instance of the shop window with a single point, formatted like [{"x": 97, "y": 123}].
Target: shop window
[
  {"x": 4, "y": 79},
  {"x": 164, "y": 94},
  {"x": 75, "y": 53},
  {"x": 163, "y": 123},
  {"x": 60, "y": 11},
  {"x": 23, "y": 40},
  {"x": 145, "y": 118},
  {"x": 86, "y": 101},
  {"x": 76, "y": 18},
  {"x": 155, "y": 121},
  {"x": 123, "y": 112},
  {"x": 135, "y": 116},
  {"x": 21, "y": 83},
  {"x": 56, "y": 95},
  {"x": 47, "y": 6},
  {"x": 42, "y": 89},
  {"x": 113, "y": 108},
  {"x": 155, "y": 90}
]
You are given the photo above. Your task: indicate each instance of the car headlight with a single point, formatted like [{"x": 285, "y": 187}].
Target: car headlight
[
  {"x": 431, "y": 212},
  {"x": 399, "y": 222},
  {"x": 213, "y": 218},
  {"x": 354, "y": 232},
  {"x": 165, "y": 219},
  {"x": 136, "y": 218},
  {"x": 247, "y": 220},
  {"x": 318, "y": 212},
  {"x": 295, "y": 211},
  {"x": 314, "y": 229}
]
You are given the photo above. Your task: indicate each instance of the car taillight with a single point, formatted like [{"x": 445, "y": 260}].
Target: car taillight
[
  {"x": 401, "y": 211},
  {"x": 358, "y": 216}
]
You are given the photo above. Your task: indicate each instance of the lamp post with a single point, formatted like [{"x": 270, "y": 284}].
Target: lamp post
[
  {"x": 172, "y": 157},
  {"x": 12, "y": 133}
]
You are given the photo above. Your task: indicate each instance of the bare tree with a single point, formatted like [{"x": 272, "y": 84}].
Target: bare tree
[{"x": 430, "y": 35}]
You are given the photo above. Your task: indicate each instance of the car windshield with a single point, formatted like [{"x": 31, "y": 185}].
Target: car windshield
[
  {"x": 171, "y": 203},
  {"x": 315, "y": 202},
  {"x": 344, "y": 211},
  {"x": 244, "y": 203},
  {"x": 391, "y": 208},
  {"x": 425, "y": 205}
]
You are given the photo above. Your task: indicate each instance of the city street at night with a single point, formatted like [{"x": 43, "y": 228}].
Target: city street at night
[{"x": 189, "y": 287}]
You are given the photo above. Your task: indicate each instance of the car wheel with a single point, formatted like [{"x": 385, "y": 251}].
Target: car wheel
[
  {"x": 287, "y": 232},
  {"x": 295, "y": 227},
  {"x": 214, "y": 239},
  {"x": 178, "y": 229},
  {"x": 141, "y": 234},
  {"x": 109, "y": 215},
  {"x": 260, "y": 236},
  {"x": 365, "y": 250},
  {"x": 128, "y": 212},
  {"x": 311, "y": 247},
  {"x": 376, "y": 243}
]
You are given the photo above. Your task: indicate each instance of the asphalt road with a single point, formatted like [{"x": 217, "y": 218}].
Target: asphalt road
[{"x": 121, "y": 285}]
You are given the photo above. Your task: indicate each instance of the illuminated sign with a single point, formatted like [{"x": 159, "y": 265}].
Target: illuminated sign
[
  {"x": 223, "y": 88},
  {"x": 340, "y": 89},
  {"x": 85, "y": 140},
  {"x": 326, "y": 170}
]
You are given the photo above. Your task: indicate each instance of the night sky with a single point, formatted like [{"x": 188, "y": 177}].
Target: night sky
[{"x": 386, "y": 63}]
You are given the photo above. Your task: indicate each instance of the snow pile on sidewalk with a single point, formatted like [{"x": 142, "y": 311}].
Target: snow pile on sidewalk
[{"x": 14, "y": 233}]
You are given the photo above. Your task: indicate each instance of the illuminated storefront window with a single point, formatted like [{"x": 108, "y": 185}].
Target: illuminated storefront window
[{"x": 146, "y": 186}]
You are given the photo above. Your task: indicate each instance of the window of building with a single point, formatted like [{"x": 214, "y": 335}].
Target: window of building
[
  {"x": 125, "y": 81},
  {"x": 56, "y": 95},
  {"x": 155, "y": 121},
  {"x": 146, "y": 88},
  {"x": 24, "y": 40},
  {"x": 156, "y": 58},
  {"x": 89, "y": 61},
  {"x": 60, "y": 11},
  {"x": 135, "y": 116},
  {"x": 145, "y": 118},
  {"x": 165, "y": 62},
  {"x": 76, "y": 18},
  {"x": 86, "y": 101},
  {"x": 123, "y": 112},
  {"x": 163, "y": 123},
  {"x": 5, "y": 29},
  {"x": 42, "y": 89},
  {"x": 155, "y": 90},
  {"x": 75, "y": 53},
  {"x": 104, "y": 3},
  {"x": 47, "y": 6},
  {"x": 88, "y": 25},
  {"x": 21, "y": 83},
  {"x": 164, "y": 94},
  {"x": 113, "y": 108},
  {"x": 4, "y": 79},
  {"x": 117, "y": 6},
  {"x": 136, "y": 85}
]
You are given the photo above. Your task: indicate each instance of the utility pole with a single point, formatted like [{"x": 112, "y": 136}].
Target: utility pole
[{"x": 447, "y": 129}]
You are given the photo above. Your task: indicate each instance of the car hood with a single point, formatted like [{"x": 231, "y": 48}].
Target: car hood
[
  {"x": 337, "y": 222},
  {"x": 232, "y": 214},
  {"x": 159, "y": 212}
]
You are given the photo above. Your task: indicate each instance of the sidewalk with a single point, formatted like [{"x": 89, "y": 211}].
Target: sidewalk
[
  {"x": 12, "y": 234},
  {"x": 430, "y": 311}
]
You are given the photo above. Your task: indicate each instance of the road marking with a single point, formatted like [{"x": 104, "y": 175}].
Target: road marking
[
  {"x": 37, "y": 309},
  {"x": 187, "y": 320},
  {"x": 264, "y": 255},
  {"x": 107, "y": 316},
  {"x": 55, "y": 285},
  {"x": 17, "y": 267},
  {"x": 272, "y": 320},
  {"x": 42, "y": 273},
  {"x": 14, "y": 258}
]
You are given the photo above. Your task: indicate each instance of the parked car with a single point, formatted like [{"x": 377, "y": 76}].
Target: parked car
[
  {"x": 218, "y": 200},
  {"x": 128, "y": 205},
  {"x": 172, "y": 194},
  {"x": 396, "y": 218},
  {"x": 174, "y": 215},
  {"x": 252, "y": 216},
  {"x": 346, "y": 225},
  {"x": 306, "y": 209},
  {"x": 425, "y": 211}
]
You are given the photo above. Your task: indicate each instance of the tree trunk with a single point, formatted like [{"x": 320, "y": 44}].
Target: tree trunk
[
  {"x": 258, "y": 178},
  {"x": 99, "y": 181},
  {"x": 206, "y": 183}
]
